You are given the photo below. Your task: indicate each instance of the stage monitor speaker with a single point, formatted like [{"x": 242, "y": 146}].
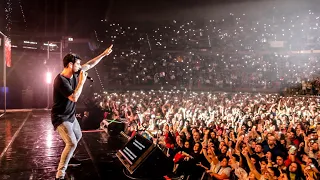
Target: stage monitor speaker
[
  {"x": 114, "y": 128},
  {"x": 144, "y": 159}
]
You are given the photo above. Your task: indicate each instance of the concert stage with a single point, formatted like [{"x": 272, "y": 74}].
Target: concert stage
[{"x": 30, "y": 149}]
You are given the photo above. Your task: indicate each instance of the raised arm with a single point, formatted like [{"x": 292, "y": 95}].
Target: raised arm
[
  {"x": 214, "y": 159},
  {"x": 251, "y": 166},
  {"x": 77, "y": 92},
  {"x": 90, "y": 64}
]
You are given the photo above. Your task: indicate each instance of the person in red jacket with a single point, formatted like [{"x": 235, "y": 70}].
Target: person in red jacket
[
  {"x": 292, "y": 157},
  {"x": 293, "y": 138},
  {"x": 169, "y": 140}
]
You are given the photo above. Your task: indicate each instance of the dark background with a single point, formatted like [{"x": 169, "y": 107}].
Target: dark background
[{"x": 79, "y": 17}]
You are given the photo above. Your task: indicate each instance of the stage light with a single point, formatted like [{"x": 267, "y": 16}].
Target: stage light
[{"x": 48, "y": 77}]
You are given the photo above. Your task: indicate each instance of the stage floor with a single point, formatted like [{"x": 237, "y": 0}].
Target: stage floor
[{"x": 30, "y": 150}]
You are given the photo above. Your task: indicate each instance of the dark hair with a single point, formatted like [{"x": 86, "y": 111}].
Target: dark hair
[
  {"x": 275, "y": 170},
  {"x": 264, "y": 159},
  {"x": 256, "y": 157},
  {"x": 298, "y": 173},
  {"x": 200, "y": 146},
  {"x": 225, "y": 146},
  {"x": 237, "y": 157},
  {"x": 281, "y": 156},
  {"x": 294, "y": 132},
  {"x": 70, "y": 58},
  {"x": 315, "y": 162},
  {"x": 233, "y": 145},
  {"x": 223, "y": 157}
]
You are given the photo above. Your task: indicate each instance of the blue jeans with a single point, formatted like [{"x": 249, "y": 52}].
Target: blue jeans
[{"x": 71, "y": 135}]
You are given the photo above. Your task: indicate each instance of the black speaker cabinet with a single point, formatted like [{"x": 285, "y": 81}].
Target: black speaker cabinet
[
  {"x": 115, "y": 128},
  {"x": 143, "y": 159}
]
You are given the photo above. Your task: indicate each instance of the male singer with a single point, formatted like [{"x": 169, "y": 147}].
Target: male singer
[{"x": 67, "y": 88}]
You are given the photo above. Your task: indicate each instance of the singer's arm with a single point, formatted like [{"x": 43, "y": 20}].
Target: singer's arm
[
  {"x": 76, "y": 94},
  {"x": 90, "y": 64}
]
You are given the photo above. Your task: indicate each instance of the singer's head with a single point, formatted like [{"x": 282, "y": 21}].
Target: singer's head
[{"x": 72, "y": 62}]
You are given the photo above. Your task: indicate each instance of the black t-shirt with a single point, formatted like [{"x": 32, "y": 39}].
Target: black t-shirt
[{"x": 63, "y": 109}]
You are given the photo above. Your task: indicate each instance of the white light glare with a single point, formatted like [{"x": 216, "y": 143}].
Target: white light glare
[{"x": 48, "y": 77}]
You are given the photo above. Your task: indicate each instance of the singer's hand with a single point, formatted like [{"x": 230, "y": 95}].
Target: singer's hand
[
  {"x": 83, "y": 76},
  {"x": 108, "y": 50}
]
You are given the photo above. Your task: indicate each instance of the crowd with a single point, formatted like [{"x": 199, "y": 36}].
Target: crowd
[
  {"x": 225, "y": 136},
  {"x": 234, "y": 52},
  {"x": 217, "y": 71},
  {"x": 233, "y": 33},
  {"x": 238, "y": 51},
  {"x": 222, "y": 136}
]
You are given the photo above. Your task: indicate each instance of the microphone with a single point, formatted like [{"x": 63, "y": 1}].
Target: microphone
[{"x": 88, "y": 77}]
